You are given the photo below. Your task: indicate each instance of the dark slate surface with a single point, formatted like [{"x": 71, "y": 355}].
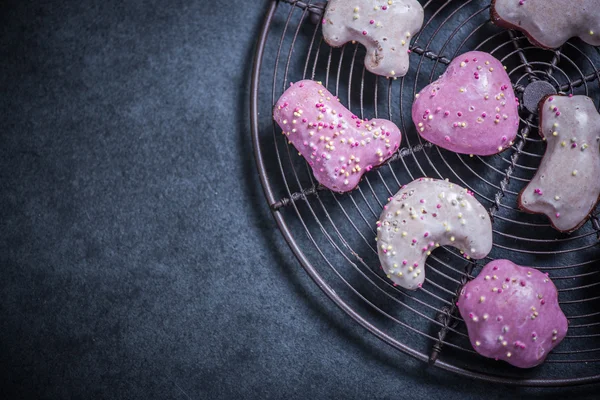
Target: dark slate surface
[{"x": 139, "y": 259}]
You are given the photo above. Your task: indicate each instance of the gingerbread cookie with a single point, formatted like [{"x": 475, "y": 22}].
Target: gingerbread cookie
[
  {"x": 470, "y": 109},
  {"x": 384, "y": 27},
  {"x": 339, "y": 146},
  {"x": 550, "y": 23},
  {"x": 566, "y": 187},
  {"x": 512, "y": 314},
  {"x": 423, "y": 215}
]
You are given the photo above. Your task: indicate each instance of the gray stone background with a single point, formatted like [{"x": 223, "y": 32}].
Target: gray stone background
[{"x": 139, "y": 258}]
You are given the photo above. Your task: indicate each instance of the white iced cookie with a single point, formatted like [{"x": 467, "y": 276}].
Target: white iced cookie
[
  {"x": 566, "y": 186},
  {"x": 423, "y": 215},
  {"x": 384, "y": 27},
  {"x": 550, "y": 23}
]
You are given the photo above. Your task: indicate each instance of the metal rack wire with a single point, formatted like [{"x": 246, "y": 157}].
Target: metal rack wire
[{"x": 333, "y": 235}]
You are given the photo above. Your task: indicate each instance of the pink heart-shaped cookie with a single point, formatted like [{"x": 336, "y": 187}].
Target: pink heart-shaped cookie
[
  {"x": 471, "y": 108},
  {"x": 339, "y": 146}
]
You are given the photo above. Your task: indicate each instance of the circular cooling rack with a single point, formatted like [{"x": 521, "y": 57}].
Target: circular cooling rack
[{"x": 333, "y": 235}]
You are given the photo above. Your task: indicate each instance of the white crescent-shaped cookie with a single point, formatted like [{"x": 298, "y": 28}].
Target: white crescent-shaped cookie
[
  {"x": 384, "y": 27},
  {"x": 423, "y": 215}
]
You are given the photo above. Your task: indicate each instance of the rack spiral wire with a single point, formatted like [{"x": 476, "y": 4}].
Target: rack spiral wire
[{"x": 332, "y": 235}]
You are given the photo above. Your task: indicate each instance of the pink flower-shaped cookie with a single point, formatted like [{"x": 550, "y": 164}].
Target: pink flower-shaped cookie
[
  {"x": 339, "y": 146},
  {"x": 470, "y": 109},
  {"x": 512, "y": 314}
]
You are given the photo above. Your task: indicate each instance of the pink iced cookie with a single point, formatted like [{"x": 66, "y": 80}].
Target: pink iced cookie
[
  {"x": 512, "y": 314},
  {"x": 550, "y": 23},
  {"x": 470, "y": 109},
  {"x": 566, "y": 187},
  {"x": 383, "y": 27},
  {"x": 339, "y": 146}
]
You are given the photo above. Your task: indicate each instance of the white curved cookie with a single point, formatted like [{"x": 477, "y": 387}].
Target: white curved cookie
[
  {"x": 384, "y": 27},
  {"x": 566, "y": 186},
  {"x": 550, "y": 23},
  {"x": 423, "y": 215}
]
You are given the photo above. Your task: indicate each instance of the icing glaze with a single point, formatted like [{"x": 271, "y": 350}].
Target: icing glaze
[
  {"x": 423, "y": 215},
  {"x": 550, "y": 23},
  {"x": 470, "y": 109},
  {"x": 339, "y": 146},
  {"x": 384, "y": 27},
  {"x": 566, "y": 186},
  {"x": 512, "y": 314}
]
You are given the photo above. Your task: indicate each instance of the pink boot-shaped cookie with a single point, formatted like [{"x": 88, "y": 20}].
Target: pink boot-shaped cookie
[
  {"x": 339, "y": 146},
  {"x": 512, "y": 314},
  {"x": 384, "y": 27},
  {"x": 550, "y": 23},
  {"x": 470, "y": 109},
  {"x": 566, "y": 186}
]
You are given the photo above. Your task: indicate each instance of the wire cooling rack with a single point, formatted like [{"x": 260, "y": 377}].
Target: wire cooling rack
[{"x": 333, "y": 236}]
